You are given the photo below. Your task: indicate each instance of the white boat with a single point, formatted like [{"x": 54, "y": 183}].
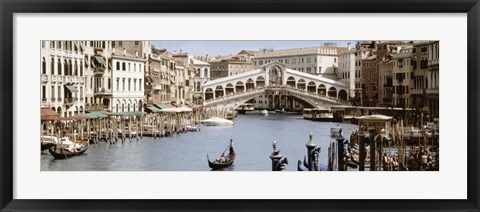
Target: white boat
[
  {"x": 336, "y": 131},
  {"x": 265, "y": 112},
  {"x": 216, "y": 121}
]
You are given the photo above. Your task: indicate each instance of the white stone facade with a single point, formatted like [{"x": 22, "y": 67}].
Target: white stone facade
[
  {"x": 62, "y": 68},
  {"x": 128, "y": 84}
]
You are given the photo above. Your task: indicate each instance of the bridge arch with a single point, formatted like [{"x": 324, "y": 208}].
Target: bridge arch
[
  {"x": 311, "y": 87},
  {"x": 342, "y": 94},
  {"x": 332, "y": 92},
  {"x": 322, "y": 90},
  {"x": 249, "y": 84},
  {"x": 291, "y": 81},
  {"x": 229, "y": 90},
  {"x": 239, "y": 87},
  {"x": 301, "y": 84},
  {"x": 219, "y": 92},
  {"x": 275, "y": 74},
  {"x": 208, "y": 94},
  {"x": 260, "y": 81}
]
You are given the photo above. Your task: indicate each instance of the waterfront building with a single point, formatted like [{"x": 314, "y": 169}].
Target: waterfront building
[
  {"x": 346, "y": 69},
  {"x": 98, "y": 71},
  {"x": 202, "y": 75},
  {"x": 63, "y": 77},
  {"x": 369, "y": 76},
  {"x": 230, "y": 65},
  {"x": 320, "y": 60},
  {"x": 128, "y": 83},
  {"x": 403, "y": 76},
  {"x": 363, "y": 51},
  {"x": 433, "y": 78},
  {"x": 420, "y": 70},
  {"x": 183, "y": 78},
  {"x": 385, "y": 81},
  {"x": 384, "y": 52}
]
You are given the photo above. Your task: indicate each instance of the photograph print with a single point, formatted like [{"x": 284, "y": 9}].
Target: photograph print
[{"x": 239, "y": 105}]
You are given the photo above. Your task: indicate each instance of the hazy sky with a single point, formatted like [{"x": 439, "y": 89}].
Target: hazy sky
[{"x": 214, "y": 48}]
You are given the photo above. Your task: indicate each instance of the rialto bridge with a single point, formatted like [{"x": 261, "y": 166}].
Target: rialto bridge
[{"x": 279, "y": 86}]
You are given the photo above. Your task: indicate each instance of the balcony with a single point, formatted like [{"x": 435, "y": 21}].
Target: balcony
[
  {"x": 432, "y": 91},
  {"x": 98, "y": 71},
  {"x": 45, "y": 78},
  {"x": 68, "y": 101},
  {"x": 416, "y": 91},
  {"x": 102, "y": 91},
  {"x": 68, "y": 79},
  {"x": 96, "y": 107}
]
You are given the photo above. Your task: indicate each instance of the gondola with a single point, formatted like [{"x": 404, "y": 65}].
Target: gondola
[
  {"x": 223, "y": 162},
  {"x": 216, "y": 164},
  {"x": 63, "y": 153}
]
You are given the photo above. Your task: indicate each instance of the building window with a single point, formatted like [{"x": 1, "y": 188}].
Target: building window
[
  {"x": 44, "y": 71},
  {"x": 120, "y": 43},
  {"x": 136, "y": 43},
  {"x": 59, "y": 92},
  {"x": 140, "y": 85},
  {"x": 123, "y": 84},
  {"x": 135, "y": 85},
  {"x": 129, "y": 80},
  {"x": 44, "y": 98},
  {"x": 123, "y": 66}
]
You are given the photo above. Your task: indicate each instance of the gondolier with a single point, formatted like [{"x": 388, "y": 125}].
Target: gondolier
[{"x": 227, "y": 161}]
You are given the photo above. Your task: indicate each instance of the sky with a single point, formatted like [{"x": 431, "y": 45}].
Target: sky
[{"x": 226, "y": 47}]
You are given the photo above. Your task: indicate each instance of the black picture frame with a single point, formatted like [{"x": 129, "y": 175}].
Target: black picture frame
[{"x": 10, "y": 7}]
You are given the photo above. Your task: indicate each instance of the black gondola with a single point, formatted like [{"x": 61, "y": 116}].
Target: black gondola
[
  {"x": 216, "y": 164},
  {"x": 223, "y": 162},
  {"x": 61, "y": 153}
]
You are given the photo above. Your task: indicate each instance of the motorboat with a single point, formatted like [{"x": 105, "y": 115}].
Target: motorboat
[
  {"x": 335, "y": 131},
  {"x": 265, "y": 112},
  {"x": 216, "y": 121}
]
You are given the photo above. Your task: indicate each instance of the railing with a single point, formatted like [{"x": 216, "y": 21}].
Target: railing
[
  {"x": 68, "y": 101},
  {"x": 45, "y": 77},
  {"x": 432, "y": 91},
  {"x": 416, "y": 91}
]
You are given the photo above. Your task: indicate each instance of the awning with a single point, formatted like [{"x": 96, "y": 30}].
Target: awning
[
  {"x": 71, "y": 88},
  {"x": 161, "y": 106},
  {"x": 100, "y": 59},
  {"x": 97, "y": 114},
  {"x": 47, "y": 112},
  {"x": 153, "y": 109},
  {"x": 148, "y": 79},
  {"x": 131, "y": 113}
]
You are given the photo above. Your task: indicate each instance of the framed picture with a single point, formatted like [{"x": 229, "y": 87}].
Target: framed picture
[{"x": 116, "y": 34}]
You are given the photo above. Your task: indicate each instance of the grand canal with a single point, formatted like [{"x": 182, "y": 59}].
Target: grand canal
[{"x": 252, "y": 134}]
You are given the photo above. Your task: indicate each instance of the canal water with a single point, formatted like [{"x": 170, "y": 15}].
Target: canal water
[{"x": 252, "y": 134}]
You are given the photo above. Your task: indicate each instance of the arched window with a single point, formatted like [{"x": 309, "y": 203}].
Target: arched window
[
  {"x": 59, "y": 67},
  {"x": 44, "y": 71},
  {"x": 52, "y": 66},
  {"x": 65, "y": 67}
]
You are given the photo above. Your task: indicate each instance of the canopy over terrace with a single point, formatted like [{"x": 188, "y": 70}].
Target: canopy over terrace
[
  {"x": 47, "y": 112},
  {"x": 374, "y": 122},
  {"x": 176, "y": 110},
  {"x": 128, "y": 113}
]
